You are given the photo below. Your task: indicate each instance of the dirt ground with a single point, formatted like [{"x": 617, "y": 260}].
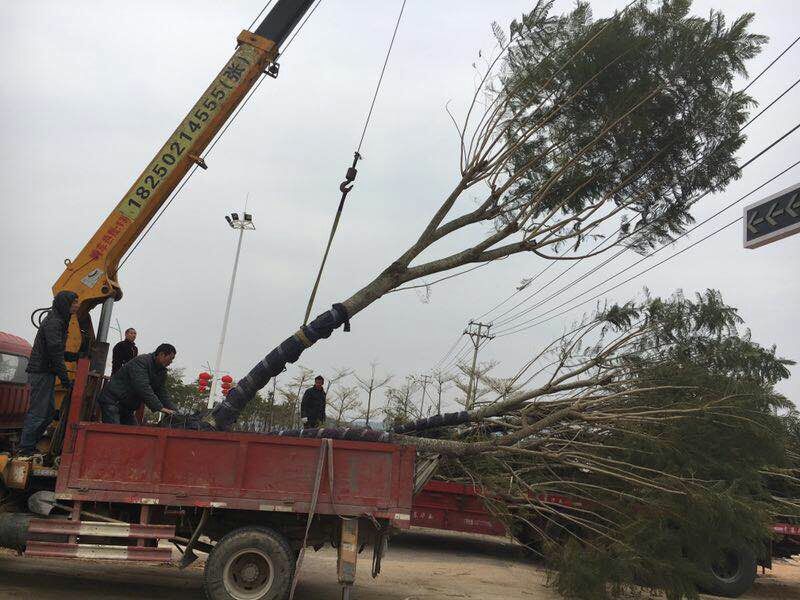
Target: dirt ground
[{"x": 422, "y": 565}]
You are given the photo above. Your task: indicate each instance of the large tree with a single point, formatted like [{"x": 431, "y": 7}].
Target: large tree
[
  {"x": 660, "y": 421},
  {"x": 578, "y": 124}
]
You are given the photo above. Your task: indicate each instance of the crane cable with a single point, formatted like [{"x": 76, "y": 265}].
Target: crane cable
[{"x": 350, "y": 176}]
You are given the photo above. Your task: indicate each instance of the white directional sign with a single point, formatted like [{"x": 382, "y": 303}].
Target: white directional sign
[{"x": 772, "y": 218}]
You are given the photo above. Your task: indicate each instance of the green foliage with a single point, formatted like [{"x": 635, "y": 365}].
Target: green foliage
[
  {"x": 659, "y": 79},
  {"x": 186, "y": 396},
  {"x": 685, "y": 462}
]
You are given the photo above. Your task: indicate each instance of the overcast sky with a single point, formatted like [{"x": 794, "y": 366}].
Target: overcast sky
[{"x": 92, "y": 89}]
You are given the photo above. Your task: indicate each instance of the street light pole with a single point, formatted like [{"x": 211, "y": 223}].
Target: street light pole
[{"x": 235, "y": 223}]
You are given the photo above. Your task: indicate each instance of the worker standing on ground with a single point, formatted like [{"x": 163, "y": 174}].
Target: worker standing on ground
[
  {"x": 142, "y": 379},
  {"x": 124, "y": 351},
  {"x": 44, "y": 365},
  {"x": 312, "y": 407}
]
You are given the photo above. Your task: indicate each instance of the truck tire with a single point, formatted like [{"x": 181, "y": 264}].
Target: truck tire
[
  {"x": 733, "y": 574},
  {"x": 251, "y": 563}
]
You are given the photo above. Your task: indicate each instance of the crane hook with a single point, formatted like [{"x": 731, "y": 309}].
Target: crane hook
[{"x": 346, "y": 185}]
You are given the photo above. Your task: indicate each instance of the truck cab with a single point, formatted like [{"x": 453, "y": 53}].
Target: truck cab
[{"x": 14, "y": 390}]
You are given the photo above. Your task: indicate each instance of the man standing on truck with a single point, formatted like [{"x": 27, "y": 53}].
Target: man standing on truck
[
  {"x": 44, "y": 365},
  {"x": 312, "y": 407},
  {"x": 142, "y": 379},
  {"x": 124, "y": 351}
]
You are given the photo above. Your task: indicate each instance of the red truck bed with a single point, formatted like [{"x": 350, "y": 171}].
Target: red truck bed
[
  {"x": 148, "y": 465},
  {"x": 453, "y": 507}
]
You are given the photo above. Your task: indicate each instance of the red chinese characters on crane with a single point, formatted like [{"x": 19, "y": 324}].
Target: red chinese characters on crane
[{"x": 110, "y": 234}]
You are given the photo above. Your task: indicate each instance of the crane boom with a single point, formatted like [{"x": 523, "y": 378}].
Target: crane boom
[{"x": 93, "y": 272}]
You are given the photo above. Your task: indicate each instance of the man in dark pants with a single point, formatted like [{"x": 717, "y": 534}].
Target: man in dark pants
[
  {"x": 312, "y": 407},
  {"x": 124, "y": 350},
  {"x": 140, "y": 380},
  {"x": 44, "y": 365}
]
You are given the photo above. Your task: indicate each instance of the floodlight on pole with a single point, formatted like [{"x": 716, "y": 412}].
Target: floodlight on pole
[{"x": 235, "y": 223}]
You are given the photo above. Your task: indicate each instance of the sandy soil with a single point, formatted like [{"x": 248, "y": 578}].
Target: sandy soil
[{"x": 421, "y": 565}]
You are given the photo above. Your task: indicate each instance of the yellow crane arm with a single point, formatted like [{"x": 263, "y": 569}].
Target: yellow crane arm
[{"x": 93, "y": 272}]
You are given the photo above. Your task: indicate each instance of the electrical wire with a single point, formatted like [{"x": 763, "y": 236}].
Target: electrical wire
[
  {"x": 625, "y": 249},
  {"x": 749, "y": 122},
  {"x": 688, "y": 231},
  {"x": 517, "y": 328},
  {"x": 603, "y": 293}
]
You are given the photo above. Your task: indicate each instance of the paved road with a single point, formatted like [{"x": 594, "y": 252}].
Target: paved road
[{"x": 421, "y": 565}]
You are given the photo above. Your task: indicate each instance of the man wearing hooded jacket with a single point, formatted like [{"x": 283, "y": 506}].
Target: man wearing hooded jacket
[
  {"x": 44, "y": 365},
  {"x": 142, "y": 379}
]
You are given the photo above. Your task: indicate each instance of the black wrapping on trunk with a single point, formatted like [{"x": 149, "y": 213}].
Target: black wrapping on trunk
[
  {"x": 227, "y": 412},
  {"x": 445, "y": 420},
  {"x": 339, "y": 433}
]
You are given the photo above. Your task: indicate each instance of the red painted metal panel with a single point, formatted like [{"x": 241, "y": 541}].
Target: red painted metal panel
[
  {"x": 13, "y": 396},
  {"x": 66, "y": 550},
  {"x": 787, "y": 529},
  {"x": 101, "y": 528},
  {"x": 13, "y": 404},
  {"x": 233, "y": 470},
  {"x": 454, "y": 507},
  {"x": 13, "y": 344}
]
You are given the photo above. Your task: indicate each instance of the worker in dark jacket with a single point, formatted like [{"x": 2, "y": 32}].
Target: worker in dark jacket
[
  {"x": 124, "y": 350},
  {"x": 142, "y": 379},
  {"x": 46, "y": 362},
  {"x": 312, "y": 407}
]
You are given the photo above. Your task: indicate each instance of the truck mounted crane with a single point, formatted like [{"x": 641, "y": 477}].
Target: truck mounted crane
[{"x": 92, "y": 274}]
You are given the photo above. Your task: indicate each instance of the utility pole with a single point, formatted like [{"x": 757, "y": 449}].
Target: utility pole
[
  {"x": 241, "y": 225},
  {"x": 425, "y": 379},
  {"x": 477, "y": 332}
]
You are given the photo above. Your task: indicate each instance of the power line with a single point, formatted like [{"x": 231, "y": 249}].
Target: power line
[
  {"x": 577, "y": 261},
  {"x": 770, "y": 180},
  {"x": 449, "y": 351},
  {"x": 622, "y": 251},
  {"x": 603, "y": 293}
]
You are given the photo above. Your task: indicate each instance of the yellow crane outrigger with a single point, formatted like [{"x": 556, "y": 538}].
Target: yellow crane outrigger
[{"x": 93, "y": 273}]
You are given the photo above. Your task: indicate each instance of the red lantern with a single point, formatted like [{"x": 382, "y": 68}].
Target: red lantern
[
  {"x": 227, "y": 383},
  {"x": 203, "y": 381}
]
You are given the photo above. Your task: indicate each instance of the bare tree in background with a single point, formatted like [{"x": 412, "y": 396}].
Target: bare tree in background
[
  {"x": 343, "y": 400},
  {"x": 371, "y": 385},
  {"x": 400, "y": 407},
  {"x": 339, "y": 373},
  {"x": 476, "y": 383},
  {"x": 294, "y": 391}
]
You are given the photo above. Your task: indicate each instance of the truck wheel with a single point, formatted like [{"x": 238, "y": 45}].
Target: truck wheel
[
  {"x": 733, "y": 574},
  {"x": 251, "y": 563}
]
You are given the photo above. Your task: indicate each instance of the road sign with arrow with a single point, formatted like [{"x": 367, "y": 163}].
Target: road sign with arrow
[{"x": 772, "y": 218}]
